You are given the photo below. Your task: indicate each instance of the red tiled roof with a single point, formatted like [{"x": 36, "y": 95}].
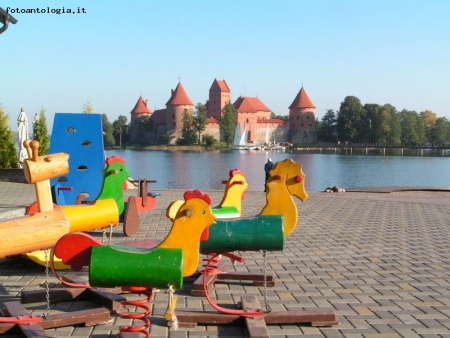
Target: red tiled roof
[
  {"x": 179, "y": 97},
  {"x": 302, "y": 100},
  {"x": 222, "y": 85},
  {"x": 264, "y": 121},
  {"x": 159, "y": 117},
  {"x": 141, "y": 107},
  {"x": 211, "y": 120},
  {"x": 249, "y": 105}
]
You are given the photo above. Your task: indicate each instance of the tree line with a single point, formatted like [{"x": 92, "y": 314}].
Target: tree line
[{"x": 381, "y": 125}]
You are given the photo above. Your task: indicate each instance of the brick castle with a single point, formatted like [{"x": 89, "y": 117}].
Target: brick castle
[{"x": 253, "y": 114}]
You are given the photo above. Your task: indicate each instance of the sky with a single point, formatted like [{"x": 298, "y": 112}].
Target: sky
[{"x": 380, "y": 51}]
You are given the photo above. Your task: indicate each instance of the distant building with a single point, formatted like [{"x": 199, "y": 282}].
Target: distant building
[
  {"x": 252, "y": 114},
  {"x": 140, "y": 109},
  {"x": 302, "y": 119}
]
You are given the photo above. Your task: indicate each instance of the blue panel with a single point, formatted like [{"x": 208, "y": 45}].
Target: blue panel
[{"x": 81, "y": 136}]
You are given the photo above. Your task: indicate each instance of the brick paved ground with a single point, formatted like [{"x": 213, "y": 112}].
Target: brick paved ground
[{"x": 380, "y": 261}]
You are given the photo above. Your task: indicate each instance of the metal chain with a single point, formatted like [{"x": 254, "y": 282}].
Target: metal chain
[
  {"x": 268, "y": 308},
  {"x": 47, "y": 289}
]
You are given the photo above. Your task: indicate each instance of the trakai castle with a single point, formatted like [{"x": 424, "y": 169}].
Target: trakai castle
[{"x": 253, "y": 116}]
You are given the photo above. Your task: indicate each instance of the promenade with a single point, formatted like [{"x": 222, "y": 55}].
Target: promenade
[{"x": 380, "y": 260}]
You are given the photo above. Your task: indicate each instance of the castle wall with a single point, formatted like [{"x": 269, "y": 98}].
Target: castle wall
[{"x": 174, "y": 116}]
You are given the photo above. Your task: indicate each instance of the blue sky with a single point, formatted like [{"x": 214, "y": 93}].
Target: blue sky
[{"x": 395, "y": 52}]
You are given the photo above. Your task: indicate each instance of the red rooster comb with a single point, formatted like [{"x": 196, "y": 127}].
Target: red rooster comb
[
  {"x": 113, "y": 159},
  {"x": 197, "y": 194},
  {"x": 235, "y": 172}
]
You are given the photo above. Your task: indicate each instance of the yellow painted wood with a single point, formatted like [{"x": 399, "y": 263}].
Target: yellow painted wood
[
  {"x": 85, "y": 217},
  {"x": 40, "y": 256},
  {"x": 191, "y": 219},
  {"x": 234, "y": 192},
  {"x": 29, "y": 233},
  {"x": 173, "y": 209},
  {"x": 286, "y": 180}
]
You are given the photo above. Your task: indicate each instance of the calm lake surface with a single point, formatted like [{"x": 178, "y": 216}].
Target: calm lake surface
[{"x": 188, "y": 170}]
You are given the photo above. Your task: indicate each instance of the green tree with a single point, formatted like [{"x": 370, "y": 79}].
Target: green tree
[
  {"x": 120, "y": 128},
  {"x": 429, "y": 121},
  {"x": 413, "y": 132},
  {"x": 440, "y": 131},
  {"x": 352, "y": 121},
  {"x": 88, "y": 107},
  {"x": 188, "y": 132},
  {"x": 381, "y": 121},
  {"x": 199, "y": 119},
  {"x": 228, "y": 123},
  {"x": 108, "y": 137},
  {"x": 8, "y": 152},
  {"x": 326, "y": 128},
  {"x": 208, "y": 140},
  {"x": 394, "y": 137},
  {"x": 40, "y": 133},
  {"x": 145, "y": 125}
]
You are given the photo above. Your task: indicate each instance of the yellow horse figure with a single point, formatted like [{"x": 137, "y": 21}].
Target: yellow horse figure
[
  {"x": 231, "y": 204},
  {"x": 285, "y": 180}
]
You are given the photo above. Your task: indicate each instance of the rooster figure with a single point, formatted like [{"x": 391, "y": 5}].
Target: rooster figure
[
  {"x": 175, "y": 257},
  {"x": 140, "y": 270}
]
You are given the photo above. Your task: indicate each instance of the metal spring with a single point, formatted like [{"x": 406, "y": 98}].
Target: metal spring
[
  {"x": 140, "y": 303},
  {"x": 213, "y": 266}
]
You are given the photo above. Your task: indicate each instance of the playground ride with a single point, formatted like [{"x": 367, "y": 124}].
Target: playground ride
[
  {"x": 81, "y": 136},
  {"x": 286, "y": 180},
  {"x": 231, "y": 204},
  {"x": 141, "y": 270},
  {"x": 115, "y": 176},
  {"x": 44, "y": 228}
]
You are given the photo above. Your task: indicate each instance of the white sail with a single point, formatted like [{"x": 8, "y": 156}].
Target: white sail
[
  {"x": 243, "y": 140},
  {"x": 267, "y": 134},
  {"x": 237, "y": 135}
]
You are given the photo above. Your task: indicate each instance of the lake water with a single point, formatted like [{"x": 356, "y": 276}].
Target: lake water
[{"x": 206, "y": 170}]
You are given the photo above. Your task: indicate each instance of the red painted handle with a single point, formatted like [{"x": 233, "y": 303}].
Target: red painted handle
[{"x": 65, "y": 188}]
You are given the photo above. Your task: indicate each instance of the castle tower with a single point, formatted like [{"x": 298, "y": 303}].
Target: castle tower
[
  {"x": 140, "y": 109},
  {"x": 249, "y": 111},
  {"x": 302, "y": 119},
  {"x": 219, "y": 96},
  {"x": 178, "y": 102}
]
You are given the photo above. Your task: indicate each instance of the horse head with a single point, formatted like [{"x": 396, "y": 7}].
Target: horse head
[{"x": 292, "y": 174}]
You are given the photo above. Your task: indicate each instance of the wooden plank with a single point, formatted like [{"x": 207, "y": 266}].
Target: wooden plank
[
  {"x": 30, "y": 330},
  {"x": 191, "y": 318},
  {"x": 197, "y": 286},
  {"x": 107, "y": 297},
  {"x": 90, "y": 317},
  {"x": 5, "y": 327},
  {"x": 256, "y": 278},
  {"x": 256, "y": 326},
  {"x": 55, "y": 294},
  {"x": 315, "y": 318},
  {"x": 131, "y": 222}
]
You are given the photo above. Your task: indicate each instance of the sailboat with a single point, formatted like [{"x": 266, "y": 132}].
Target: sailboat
[
  {"x": 237, "y": 137},
  {"x": 275, "y": 145},
  {"x": 267, "y": 146},
  {"x": 240, "y": 140}
]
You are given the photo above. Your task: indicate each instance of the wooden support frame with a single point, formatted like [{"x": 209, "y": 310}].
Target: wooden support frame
[
  {"x": 108, "y": 298},
  {"x": 257, "y": 279},
  {"x": 256, "y": 326},
  {"x": 86, "y": 317}
]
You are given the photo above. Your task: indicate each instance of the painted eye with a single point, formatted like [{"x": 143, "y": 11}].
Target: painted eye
[
  {"x": 298, "y": 179},
  {"x": 203, "y": 212}
]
